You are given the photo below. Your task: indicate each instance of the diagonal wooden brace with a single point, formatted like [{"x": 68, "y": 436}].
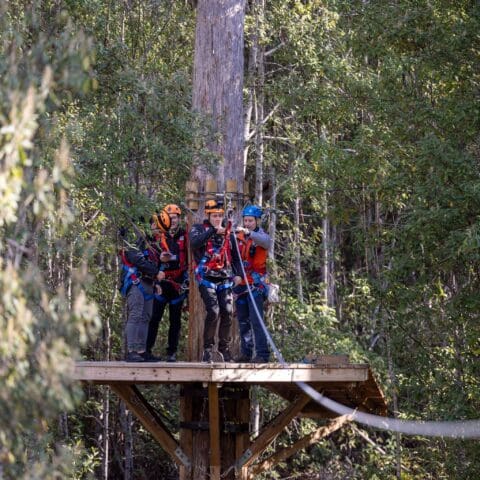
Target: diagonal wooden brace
[
  {"x": 137, "y": 403},
  {"x": 304, "y": 442},
  {"x": 270, "y": 431}
]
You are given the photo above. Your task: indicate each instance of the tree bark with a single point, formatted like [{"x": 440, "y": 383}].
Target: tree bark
[
  {"x": 259, "y": 105},
  {"x": 126, "y": 425},
  {"x": 296, "y": 239},
  {"x": 218, "y": 84},
  {"x": 272, "y": 230},
  {"x": 217, "y": 97}
]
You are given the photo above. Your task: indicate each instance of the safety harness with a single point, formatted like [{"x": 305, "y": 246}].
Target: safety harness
[
  {"x": 170, "y": 275},
  {"x": 215, "y": 258},
  {"x": 132, "y": 278},
  {"x": 182, "y": 258}
]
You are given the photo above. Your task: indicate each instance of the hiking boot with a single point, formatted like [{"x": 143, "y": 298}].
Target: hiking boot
[
  {"x": 207, "y": 355},
  {"x": 150, "y": 357},
  {"x": 171, "y": 358},
  {"x": 243, "y": 358},
  {"x": 227, "y": 356},
  {"x": 258, "y": 359},
  {"x": 134, "y": 357}
]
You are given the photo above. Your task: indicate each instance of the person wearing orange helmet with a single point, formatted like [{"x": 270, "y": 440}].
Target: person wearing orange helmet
[
  {"x": 172, "y": 246},
  {"x": 141, "y": 270},
  {"x": 211, "y": 246}
]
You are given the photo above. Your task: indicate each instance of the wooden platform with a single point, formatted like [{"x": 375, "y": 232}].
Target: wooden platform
[
  {"x": 334, "y": 376},
  {"x": 181, "y": 372},
  {"x": 350, "y": 384}
]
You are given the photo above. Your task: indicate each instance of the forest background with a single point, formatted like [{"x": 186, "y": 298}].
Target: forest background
[{"x": 362, "y": 142}]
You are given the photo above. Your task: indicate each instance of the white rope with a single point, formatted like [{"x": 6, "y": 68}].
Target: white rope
[{"x": 451, "y": 429}]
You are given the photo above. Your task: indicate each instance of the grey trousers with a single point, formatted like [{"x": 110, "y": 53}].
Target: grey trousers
[{"x": 139, "y": 313}]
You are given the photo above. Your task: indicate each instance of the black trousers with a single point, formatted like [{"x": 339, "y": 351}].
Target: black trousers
[
  {"x": 219, "y": 307},
  {"x": 175, "y": 318}
]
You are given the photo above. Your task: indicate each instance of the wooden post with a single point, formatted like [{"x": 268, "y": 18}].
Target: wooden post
[
  {"x": 242, "y": 439},
  {"x": 185, "y": 433},
  {"x": 214, "y": 420}
]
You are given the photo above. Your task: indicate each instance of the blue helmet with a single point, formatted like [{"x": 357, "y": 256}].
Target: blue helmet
[{"x": 252, "y": 211}]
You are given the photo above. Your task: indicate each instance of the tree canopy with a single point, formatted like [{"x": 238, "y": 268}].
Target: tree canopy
[{"x": 363, "y": 144}]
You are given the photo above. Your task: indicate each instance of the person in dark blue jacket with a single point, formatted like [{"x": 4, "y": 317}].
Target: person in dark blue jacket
[
  {"x": 211, "y": 244},
  {"x": 141, "y": 265}
]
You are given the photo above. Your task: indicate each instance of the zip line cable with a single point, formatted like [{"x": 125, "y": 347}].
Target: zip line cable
[{"x": 453, "y": 429}]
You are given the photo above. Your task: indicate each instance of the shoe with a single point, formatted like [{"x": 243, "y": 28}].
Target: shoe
[
  {"x": 227, "y": 356},
  {"x": 243, "y": 358},
  {"x": 171, "y": 358},
  {"x": 258, "y": 359},
  {"x": 150, "y": 357},
  {"x": 207, "y": 355},
  {"x": 134, "y": 357}
]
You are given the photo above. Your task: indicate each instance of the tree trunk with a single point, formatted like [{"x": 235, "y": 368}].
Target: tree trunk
[
  {"x": 126, "y": 425},
  {"x": 218, "y": 97},
  {"x": 259, "y": 106},
  {"x": 296, "y": 244},
  {"x": 250, "y": 84},
  {"x": 272, "y": 231},
  {"x": 326, "y": 258},
  {"x": 218, "y": 84},
  {"x": 393, "y": 382}
]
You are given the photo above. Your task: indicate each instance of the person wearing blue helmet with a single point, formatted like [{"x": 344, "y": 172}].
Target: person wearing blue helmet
[{"x": 253, "y": 243}]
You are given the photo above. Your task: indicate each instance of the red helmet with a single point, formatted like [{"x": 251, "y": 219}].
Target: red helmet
[{"x": 172, "y": 208}]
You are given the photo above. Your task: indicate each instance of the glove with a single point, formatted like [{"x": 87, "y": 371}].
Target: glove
[{"x": 246, "y": 231}]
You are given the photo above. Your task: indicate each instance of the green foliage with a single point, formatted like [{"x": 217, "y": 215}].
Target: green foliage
[
  {"x": 378, "y": 117},
  {"x": 42, "y": 322},
  {"x": 375, "y": 130}
]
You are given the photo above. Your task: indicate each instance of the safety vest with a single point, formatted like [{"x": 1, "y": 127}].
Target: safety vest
[{"x": 254, "y": 258}]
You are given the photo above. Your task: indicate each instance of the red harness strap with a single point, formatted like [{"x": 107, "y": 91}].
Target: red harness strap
[
  {"x": 171, "y": 275},
  {"x": 223, "y": 257}
]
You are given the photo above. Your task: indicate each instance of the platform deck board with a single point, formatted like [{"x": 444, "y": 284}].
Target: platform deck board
[{"x": 185, "y": 372}]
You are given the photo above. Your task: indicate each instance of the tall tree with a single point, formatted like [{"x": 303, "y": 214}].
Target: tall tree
[
  {"x": 218, "y": 83},
  {"x": 218, "y": 98}
]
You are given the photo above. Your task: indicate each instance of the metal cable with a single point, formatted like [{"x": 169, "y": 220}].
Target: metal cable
[{"x": 452, "y": 429}]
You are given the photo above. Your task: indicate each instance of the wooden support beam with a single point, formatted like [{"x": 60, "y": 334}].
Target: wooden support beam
[
  {"x": 270, "y": 431},
  {"x": 184, "y": 372},
  {"x": 214, "y": 419},
  {"x": 185, "y": 434},
  {"x": 137, "y": 403},
  {"x": 304, "y": 442},
  {"x": 242, "y": 440}
]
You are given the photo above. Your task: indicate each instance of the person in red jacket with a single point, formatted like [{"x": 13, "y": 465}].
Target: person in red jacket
[
  {"x": 253, "y": 244},
  {"x": 172, "y": 246}
]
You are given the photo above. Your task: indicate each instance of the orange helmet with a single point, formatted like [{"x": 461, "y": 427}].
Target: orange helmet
[
  {"x": 172, "y": 208},
  {"x": 162, "y": 220},
  {"x": 212, "y": 206}
]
